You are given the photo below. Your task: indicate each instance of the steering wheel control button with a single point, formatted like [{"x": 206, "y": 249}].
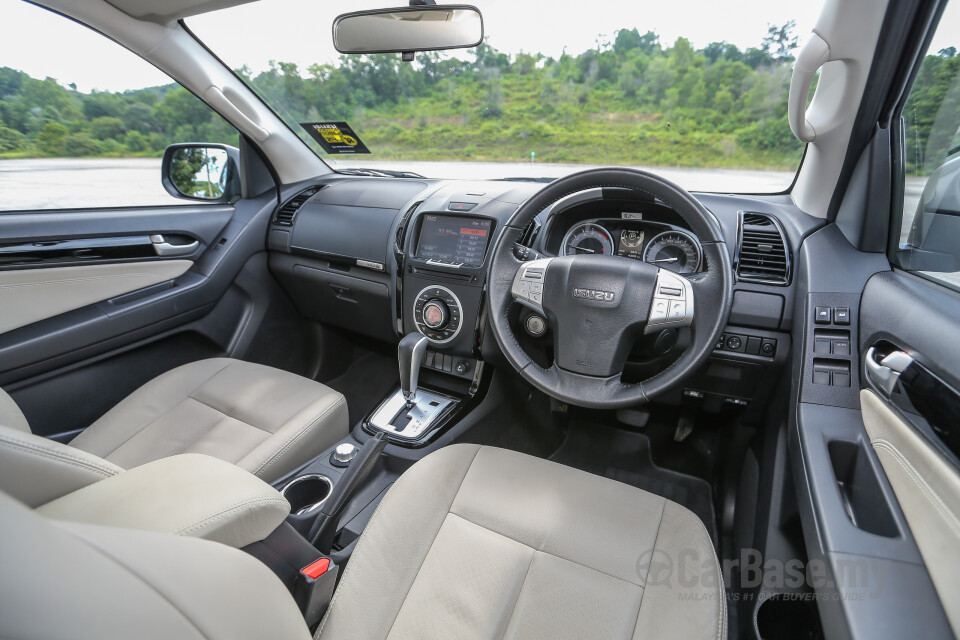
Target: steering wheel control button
[
  {"x": 672, "y": 304},
  {"x": 823, "y": 315},
  {"x": 659, "y": 311},
  {"x": 841, "y": 315},
  {"x": 437, "y": 314},
  {"x": 535, "y": 326},
  {"x": 527, "y": 288}
]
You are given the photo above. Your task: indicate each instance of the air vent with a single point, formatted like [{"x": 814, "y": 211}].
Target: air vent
[
  {"x": 402, "y": 228},
  {"x": 288, "y": 211},
  {"x": 762, "y": 254},
  {"x": 530, "y": 232}
]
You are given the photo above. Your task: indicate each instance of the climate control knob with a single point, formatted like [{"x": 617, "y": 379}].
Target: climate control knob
[{"x": 436, "y": 313}]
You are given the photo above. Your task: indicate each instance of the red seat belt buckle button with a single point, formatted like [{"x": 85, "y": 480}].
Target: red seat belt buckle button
[{"x": 316, "y": 569}]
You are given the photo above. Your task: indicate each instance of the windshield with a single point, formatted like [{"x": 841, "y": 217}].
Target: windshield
[{"x": 695, "y": 89}]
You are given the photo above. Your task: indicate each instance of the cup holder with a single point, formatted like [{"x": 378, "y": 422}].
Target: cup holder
[{"x": 306, "y": 493}]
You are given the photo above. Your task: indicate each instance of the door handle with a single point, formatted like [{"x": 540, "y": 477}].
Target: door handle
[
  {"x": 165, "y": 249},
  {"x": 884, "y": 374}
]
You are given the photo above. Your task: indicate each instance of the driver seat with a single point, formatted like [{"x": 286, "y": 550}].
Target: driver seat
[{"x": 471, "y": 542}]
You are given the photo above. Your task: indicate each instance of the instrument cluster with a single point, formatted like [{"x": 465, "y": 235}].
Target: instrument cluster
[{"x": 657, "y": 243}]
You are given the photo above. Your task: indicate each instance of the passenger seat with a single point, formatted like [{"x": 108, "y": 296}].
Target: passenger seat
[{"x": 264, "y": 420}]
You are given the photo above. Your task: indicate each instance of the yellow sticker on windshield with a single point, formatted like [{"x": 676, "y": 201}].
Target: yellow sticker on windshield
[{"x": 335, "y": 137}]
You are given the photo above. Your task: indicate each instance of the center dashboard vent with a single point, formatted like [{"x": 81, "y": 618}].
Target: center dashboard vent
[
  {"x": 288, "y": 211},
  {"x": 762, "y": 253}
]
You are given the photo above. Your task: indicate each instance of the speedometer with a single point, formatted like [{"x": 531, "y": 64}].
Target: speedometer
[
  {"x": 673, "y": 250},
  {"x": 587, "y": 238}
]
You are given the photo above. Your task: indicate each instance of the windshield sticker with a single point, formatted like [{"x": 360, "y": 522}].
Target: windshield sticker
[{"x": 335, "y": 137}]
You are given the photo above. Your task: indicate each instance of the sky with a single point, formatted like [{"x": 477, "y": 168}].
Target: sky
[{"x": 300, "y": 31}]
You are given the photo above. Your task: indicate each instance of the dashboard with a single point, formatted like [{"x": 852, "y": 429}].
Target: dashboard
[{"x": 384, "y": 257}]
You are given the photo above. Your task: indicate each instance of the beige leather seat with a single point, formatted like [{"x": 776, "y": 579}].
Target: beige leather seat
[
  {"x": 478, "y": 542},
  {"x": 261, "y": 419},
  {"x": 471, "y": 542}
]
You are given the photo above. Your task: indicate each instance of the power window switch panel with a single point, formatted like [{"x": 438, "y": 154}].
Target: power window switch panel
[
  {"x": 841, "y": 347},
  {"x": 823, "y": 315}
]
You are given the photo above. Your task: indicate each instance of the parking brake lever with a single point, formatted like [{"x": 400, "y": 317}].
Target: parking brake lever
[{"x": 324, "y": 528}]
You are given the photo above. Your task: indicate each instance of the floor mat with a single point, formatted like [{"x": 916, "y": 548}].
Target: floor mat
[
  {"x": 366, "y": 382},
  {"x": 625, "y": 456}
]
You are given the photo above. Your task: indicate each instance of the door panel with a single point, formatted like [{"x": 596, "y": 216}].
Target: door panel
[
  {"x": 851, "y": 515},
  {"x": 87, "y": 334},
  {"x": 928, "y": 488},
  {"x": 911, "y": 412},
  {"x": 30, "y": 295}
]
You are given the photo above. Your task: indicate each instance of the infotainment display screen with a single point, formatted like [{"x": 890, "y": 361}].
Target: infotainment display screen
[{"x": 453, "y": 239}]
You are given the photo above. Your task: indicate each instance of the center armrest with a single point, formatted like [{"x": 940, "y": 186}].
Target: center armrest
[{"x": 188, "y": 494}]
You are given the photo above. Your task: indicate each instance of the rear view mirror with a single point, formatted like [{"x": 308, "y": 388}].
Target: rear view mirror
[
  {"x": 201, "y": 171},
  {"x": 408, "y": 29}
]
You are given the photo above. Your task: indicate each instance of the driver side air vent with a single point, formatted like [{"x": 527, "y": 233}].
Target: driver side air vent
[
  {"x": 288, "y": 211},
  {"x": 762, "y": 252}
]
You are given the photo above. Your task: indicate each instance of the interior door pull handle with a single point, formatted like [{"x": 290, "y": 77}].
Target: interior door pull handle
[
  {"x": 165, "y": 249},
  {"x": 885, "y": 373}
]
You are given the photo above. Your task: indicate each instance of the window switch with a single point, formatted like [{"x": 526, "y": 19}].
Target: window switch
[
  {"x": 821, "y": 346},
  {"x": 821, "y": 376},
  {"x": 823, "y": 315},
  {"x": 841, "y": 347},
  {"x": 841, "y": 315},
  {"x": 841, "y": 379}
]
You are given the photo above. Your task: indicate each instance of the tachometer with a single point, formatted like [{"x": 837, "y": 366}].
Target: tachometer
[
  {"x": 587, "y": 238},
  {"x": 673, "y": 250}
]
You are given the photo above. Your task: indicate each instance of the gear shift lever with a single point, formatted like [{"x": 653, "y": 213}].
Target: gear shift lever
[{"x": 410, "y": 353}]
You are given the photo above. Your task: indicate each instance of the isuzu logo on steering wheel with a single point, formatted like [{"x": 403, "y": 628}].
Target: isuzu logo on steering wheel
[{"x": 593, "y": 294}]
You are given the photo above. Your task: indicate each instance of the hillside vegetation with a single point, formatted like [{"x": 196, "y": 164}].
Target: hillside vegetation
[{"x": 630, "y": 100}]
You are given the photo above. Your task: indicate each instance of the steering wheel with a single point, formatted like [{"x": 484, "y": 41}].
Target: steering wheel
[{"x": 598, "y": 305}]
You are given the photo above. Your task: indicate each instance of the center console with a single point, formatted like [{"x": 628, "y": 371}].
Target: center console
[{"x": 443, "y": 250}]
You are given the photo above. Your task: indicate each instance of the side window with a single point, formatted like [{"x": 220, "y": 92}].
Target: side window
[
  {"x": 929, "y": 242},
  {"x": 83, "y": 121}
]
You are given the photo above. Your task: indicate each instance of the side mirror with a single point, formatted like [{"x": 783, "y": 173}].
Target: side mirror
[
  {"x": 408, "y": 29},
  {"x": 202, "y": 171}
]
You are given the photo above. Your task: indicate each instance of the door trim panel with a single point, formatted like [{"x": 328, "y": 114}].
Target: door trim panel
[
  {"x": 928, "y": 488},
  {"x": 31, "y": 295}
]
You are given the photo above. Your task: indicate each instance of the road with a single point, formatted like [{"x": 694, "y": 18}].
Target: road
[{"x": 57, "y": 183}]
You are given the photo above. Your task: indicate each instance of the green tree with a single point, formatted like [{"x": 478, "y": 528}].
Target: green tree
[
  {"x": 51, "y": 138},
  {"x": 106, "y": 128},
  {"x": 80, "y": 144},
  {"x": 780, "y": 41}
]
